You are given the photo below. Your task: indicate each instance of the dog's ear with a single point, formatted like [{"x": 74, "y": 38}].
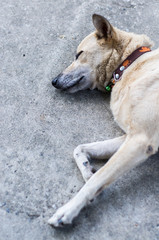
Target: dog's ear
[{"x": 104, "y": 28}]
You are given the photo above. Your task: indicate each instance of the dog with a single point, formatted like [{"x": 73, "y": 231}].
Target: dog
[{"x": 104, "y": 61}]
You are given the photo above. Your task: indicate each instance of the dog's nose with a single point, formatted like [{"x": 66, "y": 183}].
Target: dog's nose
[{"x": 55, "y": 80}]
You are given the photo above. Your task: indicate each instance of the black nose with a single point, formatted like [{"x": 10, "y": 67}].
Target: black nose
[{"x": 55, "y": 80}]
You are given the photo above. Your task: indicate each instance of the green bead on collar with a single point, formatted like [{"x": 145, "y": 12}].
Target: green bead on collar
[{"x": 108, "y": 88}]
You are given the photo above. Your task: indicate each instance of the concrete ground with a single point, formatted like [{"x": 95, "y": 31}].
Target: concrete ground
[{"x": 40, "y": 126}]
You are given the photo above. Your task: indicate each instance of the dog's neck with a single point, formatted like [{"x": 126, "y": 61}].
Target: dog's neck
[{"x": 122, "y": 46}]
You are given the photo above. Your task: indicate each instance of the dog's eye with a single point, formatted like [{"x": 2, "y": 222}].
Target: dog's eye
[{"x": 78, "y": 54}]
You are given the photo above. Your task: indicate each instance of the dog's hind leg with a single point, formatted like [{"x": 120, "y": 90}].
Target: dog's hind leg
[
  {"x": 133, "y": 151},
  {"x": 97, "y": 150}
]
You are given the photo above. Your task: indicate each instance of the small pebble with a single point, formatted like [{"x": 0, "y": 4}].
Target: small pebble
[
  {"x": 54, "y": 206},
  {"x": 8, "y": 210},
  {"x": 62, "y": 36},
  {"x": 2, "y": 204},
  {"x": 41, "y": 154}
]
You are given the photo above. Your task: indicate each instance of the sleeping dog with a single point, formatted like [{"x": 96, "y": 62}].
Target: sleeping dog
[{"x": 113, "y": 60}]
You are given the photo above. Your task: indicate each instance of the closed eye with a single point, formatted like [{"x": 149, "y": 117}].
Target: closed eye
[{"x": 78, "y": 54}]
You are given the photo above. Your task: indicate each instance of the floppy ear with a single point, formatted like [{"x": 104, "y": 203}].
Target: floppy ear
[{"x": 104, "y": 28}]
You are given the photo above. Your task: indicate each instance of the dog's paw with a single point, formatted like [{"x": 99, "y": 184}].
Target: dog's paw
[{"x": 63, "y": 216}]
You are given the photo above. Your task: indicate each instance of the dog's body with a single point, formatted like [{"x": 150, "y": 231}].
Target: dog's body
[{"x": 134, "y": 103}]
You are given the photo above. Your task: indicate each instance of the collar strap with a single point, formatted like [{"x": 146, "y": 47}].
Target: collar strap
[{"x": 124, "y": 65}]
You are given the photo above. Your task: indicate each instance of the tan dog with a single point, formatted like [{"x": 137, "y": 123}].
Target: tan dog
[{"x": 134, "y": 103}]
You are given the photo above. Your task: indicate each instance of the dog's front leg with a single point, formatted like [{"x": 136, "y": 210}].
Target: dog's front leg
[
  {"x": 97, "y": 150},
  {"x": 132, "y": 152}
]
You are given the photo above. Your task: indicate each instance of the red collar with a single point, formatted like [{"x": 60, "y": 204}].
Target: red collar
[{"x": 124, "y": 65}]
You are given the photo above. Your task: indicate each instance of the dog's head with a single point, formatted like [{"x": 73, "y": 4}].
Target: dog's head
[{"x": 88, "y": 70}]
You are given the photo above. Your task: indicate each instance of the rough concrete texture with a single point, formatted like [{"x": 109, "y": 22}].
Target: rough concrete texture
[{"x": 40, "y": 126}]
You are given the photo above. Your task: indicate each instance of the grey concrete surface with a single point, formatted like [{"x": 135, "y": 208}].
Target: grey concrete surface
[{"x": 41, "y": 126}]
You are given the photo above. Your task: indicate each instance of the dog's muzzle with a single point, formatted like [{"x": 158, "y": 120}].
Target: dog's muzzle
[
  {"x": 66, "y": 81},
  {"x": 55, "y": 81}
]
